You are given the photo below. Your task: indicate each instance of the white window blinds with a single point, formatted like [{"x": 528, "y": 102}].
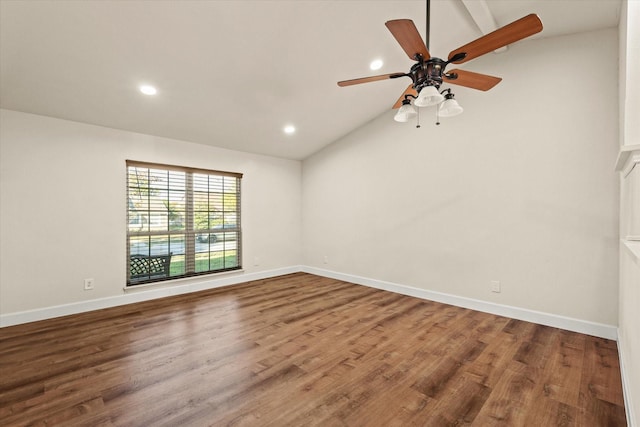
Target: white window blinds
[{"x": 181, "y": 222}]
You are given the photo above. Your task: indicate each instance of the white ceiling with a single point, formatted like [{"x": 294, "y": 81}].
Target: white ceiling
[{"x": 233, "y": 73}]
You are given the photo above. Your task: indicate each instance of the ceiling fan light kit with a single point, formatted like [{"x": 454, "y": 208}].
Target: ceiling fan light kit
[
  {"x": 406, "y": 112},
  {"x": 428, "y": 96},
  {"x": 449, "y": 106},
  {"x": 428, "y": 73}
]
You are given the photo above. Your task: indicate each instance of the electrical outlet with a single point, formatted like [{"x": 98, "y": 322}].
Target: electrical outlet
[
  {"x": 88, "y": 284},
  {"x": 256, "y": 260},
  {"x": 325, "y": 259},
  {"x": 495, "y": 286}
]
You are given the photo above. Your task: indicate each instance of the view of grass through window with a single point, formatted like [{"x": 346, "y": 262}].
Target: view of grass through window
[{"x": 181, "y": 222}]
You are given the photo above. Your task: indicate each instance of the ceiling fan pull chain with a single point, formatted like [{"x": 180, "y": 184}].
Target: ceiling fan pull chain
[
  {"x": 437, "y": 115},
  {"x": 418, "y": 118}
]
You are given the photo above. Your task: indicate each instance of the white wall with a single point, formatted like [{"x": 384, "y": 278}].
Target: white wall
[
  {"x": 519, "y": 189},
  {"x": 629, "y": 303},
  {"x": 628, "y": 70},
  {"x": 62, "y": 207}
]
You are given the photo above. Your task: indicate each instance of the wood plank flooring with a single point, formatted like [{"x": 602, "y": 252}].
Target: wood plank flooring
[{"x": 301, "y": 350}]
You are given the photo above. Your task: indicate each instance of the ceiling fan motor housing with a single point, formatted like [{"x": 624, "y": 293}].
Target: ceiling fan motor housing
[{"x": 427, "y": 73}]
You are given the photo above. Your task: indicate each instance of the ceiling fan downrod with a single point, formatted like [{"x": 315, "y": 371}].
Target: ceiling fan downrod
[{"x": 428, "y": 25}]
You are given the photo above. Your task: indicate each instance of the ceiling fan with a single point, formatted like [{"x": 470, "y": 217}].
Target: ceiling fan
[{"x": 428, "y": 73}]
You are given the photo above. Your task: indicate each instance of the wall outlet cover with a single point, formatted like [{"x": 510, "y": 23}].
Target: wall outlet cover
[{"x": 495, "y": 286}]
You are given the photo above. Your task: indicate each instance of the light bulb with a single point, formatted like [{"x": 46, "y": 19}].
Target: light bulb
[{"x": 148, "y": 90}]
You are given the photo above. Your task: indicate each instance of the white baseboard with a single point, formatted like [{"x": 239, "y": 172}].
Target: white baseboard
[
  {"x": 138, "y": 295},
  {"x": 576, "y": 325},
  {"x": 626, "y": 387},
  {"x": 547, "y": 319}
]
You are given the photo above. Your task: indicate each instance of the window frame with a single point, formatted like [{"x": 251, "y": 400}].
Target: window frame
[{"x": 188, "y": 228}]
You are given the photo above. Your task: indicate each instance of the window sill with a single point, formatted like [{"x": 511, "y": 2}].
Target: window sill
[{"x": 183, "y": 281}]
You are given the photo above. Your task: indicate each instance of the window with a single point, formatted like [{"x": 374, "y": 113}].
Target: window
[{"x": 182, "y": 222}]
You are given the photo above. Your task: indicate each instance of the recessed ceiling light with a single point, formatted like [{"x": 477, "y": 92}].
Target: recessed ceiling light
[
  {"x": 148, "y": 90},
  {"x": 376, "y": 64},
  {"x": 289, "y": 129}
]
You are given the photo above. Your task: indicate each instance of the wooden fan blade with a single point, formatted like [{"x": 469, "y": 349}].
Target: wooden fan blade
[
  {"x": 409, "y": 91},
  {"x": 472, "y": 80},
  {"x": 517, "y": 30},
  {"x": 370, "y": 79},
  {"x": 407, "y": 35}
]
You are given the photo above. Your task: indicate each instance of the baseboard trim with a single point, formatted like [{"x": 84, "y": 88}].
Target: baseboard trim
[
  {"x": 133, "y": 296},
  {"x": 571, "y": 324},
  {"x": 547, "y": 319},
  {"x": 626, "y": 389}
]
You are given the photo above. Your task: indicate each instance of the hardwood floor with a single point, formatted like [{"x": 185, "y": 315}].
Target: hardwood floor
[{"x": 301, "y": 350}]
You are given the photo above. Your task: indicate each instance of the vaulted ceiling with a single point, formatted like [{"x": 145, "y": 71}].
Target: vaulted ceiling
[{"x": 232, "y": 74}]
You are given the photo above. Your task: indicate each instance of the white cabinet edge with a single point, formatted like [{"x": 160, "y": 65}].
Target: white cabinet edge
[{"x": 628, "y": 157}]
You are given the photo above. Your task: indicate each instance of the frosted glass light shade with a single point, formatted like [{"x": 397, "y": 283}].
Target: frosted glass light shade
[
  {"x": 405, "y": 112},
  {"x": 450, "y": 108},
  {"x": 429, "y": 95}
]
